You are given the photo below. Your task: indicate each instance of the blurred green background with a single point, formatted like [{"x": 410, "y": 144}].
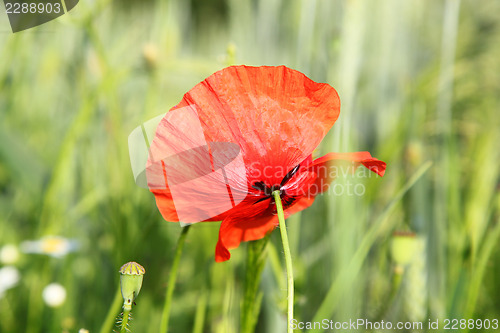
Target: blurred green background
[{"x": 420, "y": 89}]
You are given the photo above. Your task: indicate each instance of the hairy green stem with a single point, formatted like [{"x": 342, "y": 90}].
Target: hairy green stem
[
  {"x": 171, "y": 280},
  {"x": 126, "y": 315},
  {"x": 288, "y": 257}
]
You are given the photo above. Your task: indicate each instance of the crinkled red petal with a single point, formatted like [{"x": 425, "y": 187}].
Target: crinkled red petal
[
  {"x": 273, "y": 117},
  {"x": 238, "y": 228},
  {"x": 328, "y": 167}
]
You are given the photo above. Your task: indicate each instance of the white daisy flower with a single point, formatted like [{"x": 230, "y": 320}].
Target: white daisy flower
[
  {"x": 9, "y": 277},
  {"x": 54, "y": 295},
  {"x": 54, "y": 246},
  {"x": 9, "y": 254}
]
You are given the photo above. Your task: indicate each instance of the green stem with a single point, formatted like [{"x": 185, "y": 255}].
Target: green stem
[
  {"x": 107, "y": 326},
  {"x": 288, "y": 257},
  {"x": 256, "y": 260},
  {"x": 171, "y": 280},
  {"x": 126, "y": 315}
]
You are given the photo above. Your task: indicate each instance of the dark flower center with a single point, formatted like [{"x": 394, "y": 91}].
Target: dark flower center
[{"x": 268, "y": 191}]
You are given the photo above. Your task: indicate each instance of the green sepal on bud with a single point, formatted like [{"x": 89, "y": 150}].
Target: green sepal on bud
[{"x": 131, "y": 282}]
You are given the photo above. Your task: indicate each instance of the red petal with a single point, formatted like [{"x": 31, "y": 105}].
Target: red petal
[
  {"x": 275, "y": 116},
  {"x": 327, "y": 167},
  {"x": 194, "y": 179},
  {"x": 300, "y": 205},
  {"x": 237, "y": 229},
  {"x": 166, "y": 205},
  {"x": 232, "y": 232}
]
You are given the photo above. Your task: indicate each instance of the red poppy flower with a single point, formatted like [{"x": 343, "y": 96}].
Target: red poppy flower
[{"x": 236, "y": 137}]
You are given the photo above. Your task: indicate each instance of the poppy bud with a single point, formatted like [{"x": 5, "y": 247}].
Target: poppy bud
[
  {"x": 231, "y": 54},
  {"x": 414, "y": 153},
  {"x": 131, "y": 282},
  {"x": 403, "y": 248}
]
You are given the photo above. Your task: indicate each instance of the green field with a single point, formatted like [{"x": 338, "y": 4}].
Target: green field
[{"x": 419, "y": 82}]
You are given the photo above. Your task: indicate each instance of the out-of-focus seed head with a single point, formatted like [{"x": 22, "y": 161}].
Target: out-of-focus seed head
[
  {"x": 414, "y": 153},
  {"x": 131, "y": 282},
  {"x": 150, "y": 54}
]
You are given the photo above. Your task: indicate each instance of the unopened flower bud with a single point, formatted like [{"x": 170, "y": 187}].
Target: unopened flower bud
[
  {"x": 414, "y": 153},
  {"x": 131, "y": 282},
  {"x": 403, "y": 247}
]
